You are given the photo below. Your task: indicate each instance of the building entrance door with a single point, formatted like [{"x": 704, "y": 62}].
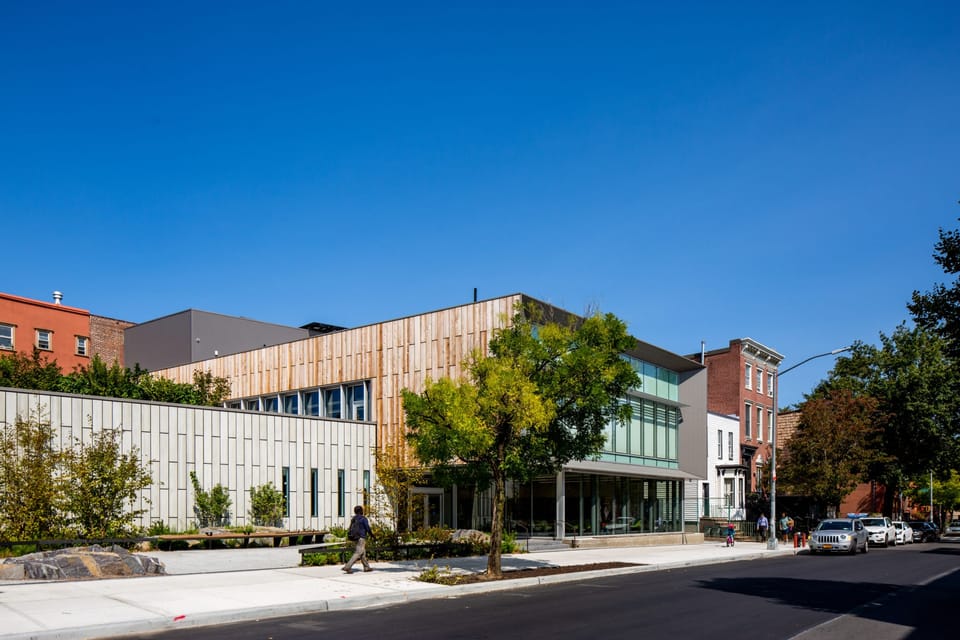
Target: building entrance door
[{"x": 426, "y": 508}]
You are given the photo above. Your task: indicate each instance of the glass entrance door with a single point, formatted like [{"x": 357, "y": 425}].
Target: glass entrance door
[{"x": 426, "y": 508}]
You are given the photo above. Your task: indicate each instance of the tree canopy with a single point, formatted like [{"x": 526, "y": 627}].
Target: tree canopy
[
  {"x": 917, "y": 390},
  {"x": 939, "y": 309},
  {"x": 540, "y": 398},
  {"x": 20, "y": 371},
  {"x": 834, "y": 447}
]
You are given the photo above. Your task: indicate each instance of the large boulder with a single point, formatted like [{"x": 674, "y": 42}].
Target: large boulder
[{"x": 80, "y": 563}]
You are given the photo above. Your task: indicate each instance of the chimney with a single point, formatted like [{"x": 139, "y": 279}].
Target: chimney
[{"x": 57, "y": 297}]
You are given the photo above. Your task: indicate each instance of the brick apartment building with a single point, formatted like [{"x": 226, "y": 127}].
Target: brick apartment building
[
  {"x": 742, "y": 382},
  {"x": 69, "y": 335}
]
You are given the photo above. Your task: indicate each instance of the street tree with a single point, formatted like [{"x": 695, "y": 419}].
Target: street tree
[
  {"x": 939, "y": 309},
  {"x": 540, "y": 398},
  {"x": 834, "y": 447},
  {"x": 917, "y": 390}
]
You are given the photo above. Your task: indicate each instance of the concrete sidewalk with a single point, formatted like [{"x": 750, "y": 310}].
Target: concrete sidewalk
[{"x": 232, "y": 585}]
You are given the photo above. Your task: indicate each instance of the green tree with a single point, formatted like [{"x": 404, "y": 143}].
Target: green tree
[
  {"x": 833, "y": 449},
  {"x": 209, "y": 390},
  {"x": 917, "y": 390},
  {"x": 102, "y": 486},
  {"x": 395, "y": 478},
  {"x": 31, "y": 486},
  {"x": 36, "y": 371},
  {"x": 541, "y": 398},
  {"x": 267, "y": 505},
  {"x": 98, "y": 379},
  {"x": 939, "y": 309},
  {"x": 212, "y": 508}
]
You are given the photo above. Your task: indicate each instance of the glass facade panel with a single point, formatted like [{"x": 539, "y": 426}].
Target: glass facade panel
[
  {"x": 355, "y": 399},
  {"x": 331, "y": 403},
  {"x": 291, "y": 404},
  {"x": 271, "y": 405},
  {"x": 311, "y": 403},
  {"x": 611, "y": 505}
]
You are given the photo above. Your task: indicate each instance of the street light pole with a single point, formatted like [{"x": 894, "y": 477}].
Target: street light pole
[{"x": 772, "y": 539}]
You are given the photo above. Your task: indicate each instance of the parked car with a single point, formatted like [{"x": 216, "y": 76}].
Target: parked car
[
  {"x": 952, "y": 532},
  {"x": 924, "y": 531},
  {"x": 880, "y": 530},
  {"x": 839, "y": 535},
  {"x": 904, "y": 532}
]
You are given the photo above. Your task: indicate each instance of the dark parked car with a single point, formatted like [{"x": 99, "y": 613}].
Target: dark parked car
[{"x": 924, "y": 532}]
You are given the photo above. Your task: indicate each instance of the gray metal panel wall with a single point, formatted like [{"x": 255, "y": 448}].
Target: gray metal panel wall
[
  {"x": 226, "y": 335},
  {"x": 692, "y": 445},
  {"x": 158, "y": 344}
]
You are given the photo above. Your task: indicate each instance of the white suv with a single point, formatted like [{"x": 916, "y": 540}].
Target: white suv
[{"x": 880, "y": 530}]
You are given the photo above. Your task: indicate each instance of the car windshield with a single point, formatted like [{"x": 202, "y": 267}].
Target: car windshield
[
  {"x": 874, "y": 522},
  {"x": 955, "y": 523},
  {"x": 835, "y": 525},
  {"x": 916, "y": 525}
]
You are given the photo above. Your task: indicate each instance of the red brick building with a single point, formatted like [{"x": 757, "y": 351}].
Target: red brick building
[
  {"x": 68, "y": 335},
  {"x": 742, "y": 382}
]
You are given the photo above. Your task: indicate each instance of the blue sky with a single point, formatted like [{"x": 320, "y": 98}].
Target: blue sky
[{"x": 705, "y": 172}]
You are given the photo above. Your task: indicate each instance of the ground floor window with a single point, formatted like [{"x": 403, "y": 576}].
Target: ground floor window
[{"x": 595, "y": 504}]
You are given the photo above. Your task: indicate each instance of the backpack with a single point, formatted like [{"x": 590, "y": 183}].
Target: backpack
[{"x": 353, "y": 533}]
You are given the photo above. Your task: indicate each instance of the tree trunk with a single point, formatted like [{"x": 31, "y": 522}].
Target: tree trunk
[{"x": 496, "y": 524}]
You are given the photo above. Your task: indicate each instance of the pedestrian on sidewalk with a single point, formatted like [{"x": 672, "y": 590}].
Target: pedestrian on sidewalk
[
  {"x": 762, "y": 525},
  {"x": 358, "y": 533}
]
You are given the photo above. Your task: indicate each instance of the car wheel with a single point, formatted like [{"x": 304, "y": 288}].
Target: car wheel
[{"x": 866, "y": 546}]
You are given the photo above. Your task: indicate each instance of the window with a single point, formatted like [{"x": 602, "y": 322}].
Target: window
[
  {"x": 331, "y": 403},
  {"x": 252, "y": 405},
  {"x": 759, "y": 423},
  {"x": 747, "y": 415},
  {"x": 355, "y": 398},
  {"x": 341, "y": 493},
  {"x": 82, "y": 345},
  {"x": 271, "y": 405},
  {"x": 759, "y": 380},
  {"x": 311, "y": 403},
  {"x": 291, "y": 404},
  {"x": 770, "y": 384},
  {"x": 314, "y": 493},
  {"x": 748, "y": 377},
  {"x": 6, "y": 336},
  {"x": 236, "y": 404},
  {"x": 730, "y": 445},
  {"x": 44, "y": 339},
  {"x": 719, "y": 444},
  {"x": 366, "y": 489},
  {"x": 770, "y": 420},
  {"x": 285, "y": 487}
]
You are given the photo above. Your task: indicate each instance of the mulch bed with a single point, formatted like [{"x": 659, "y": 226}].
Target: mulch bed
[{"x": 536, "y": 572}]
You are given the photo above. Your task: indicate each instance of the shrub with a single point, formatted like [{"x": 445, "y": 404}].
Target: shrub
[
  {"x": 212, "y": 508},
  {"x": 267, "y": 505}
]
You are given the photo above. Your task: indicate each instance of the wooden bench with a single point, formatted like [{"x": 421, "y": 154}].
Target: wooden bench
[{"x": 245, "y": 538}]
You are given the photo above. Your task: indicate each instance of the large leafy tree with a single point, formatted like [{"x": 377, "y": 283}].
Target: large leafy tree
[
  {"x": 540, "y": 398},
  {"x": 834, "y": 447},
  {"x": 36, "y": 371},
  {"x": 917, "y": 390},
  {"x": 939, "y": 308}
]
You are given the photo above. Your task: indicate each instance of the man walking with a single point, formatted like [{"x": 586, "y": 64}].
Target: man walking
[
  {"x": 762, "y": 525},
  {"x": 358, "y": 532}
]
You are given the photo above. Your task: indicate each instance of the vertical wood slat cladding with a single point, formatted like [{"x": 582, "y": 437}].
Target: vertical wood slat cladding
[{"x": 395, "y": 355}]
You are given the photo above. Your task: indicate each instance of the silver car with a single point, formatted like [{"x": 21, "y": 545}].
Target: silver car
[{"x": 839, "y": 535}]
